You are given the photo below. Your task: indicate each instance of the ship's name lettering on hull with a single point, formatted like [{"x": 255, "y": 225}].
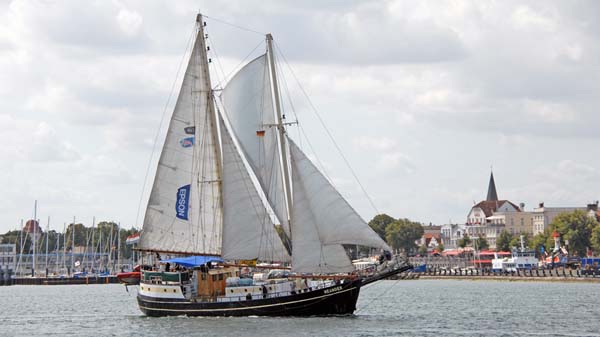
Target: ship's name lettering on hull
[{"x": 332, "y": 290}]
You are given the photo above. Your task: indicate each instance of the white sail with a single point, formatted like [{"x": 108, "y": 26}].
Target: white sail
[
  {"x": 323, "y": 221},
  {"x": 248, "y": 231},
  {"x": 184, "y": 209},
  {"x": 248, "y": 103}
]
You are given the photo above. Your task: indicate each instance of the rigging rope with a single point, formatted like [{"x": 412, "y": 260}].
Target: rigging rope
[
  {"x": 234, "y": 25},
  {"x": 316, "y": 112},
  {"x": 376, "y": 297}
]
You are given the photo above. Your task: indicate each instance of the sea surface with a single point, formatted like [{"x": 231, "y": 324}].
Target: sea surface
[{"x": 388, "y": 308}]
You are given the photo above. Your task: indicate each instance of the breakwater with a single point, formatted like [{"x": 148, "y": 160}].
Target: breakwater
[
  {"x": 59, "y": 280},
  {"x": 556, "y": 274}
]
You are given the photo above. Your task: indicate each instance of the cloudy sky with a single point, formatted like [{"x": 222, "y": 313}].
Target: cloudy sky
[{"x": 422, "y": 98}]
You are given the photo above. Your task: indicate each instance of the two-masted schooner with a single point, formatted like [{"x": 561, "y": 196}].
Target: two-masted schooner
[{"x": 232, "y": 186}]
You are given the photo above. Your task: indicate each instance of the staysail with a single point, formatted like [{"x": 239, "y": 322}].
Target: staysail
[
  {"x": 248, "y": 103},
  {"x": 248, "y": 231},
  {"x": 184, "y": 209},
  {"x": 323, "y": 221}
]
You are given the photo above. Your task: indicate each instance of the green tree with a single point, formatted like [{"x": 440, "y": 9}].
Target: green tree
[
  {"x": 503, "y": 241},
  {"x": 402, "y": 234},
  {"x": 440, "y": 248},
  {"x": 81, "y": 233},
  {"x": 539, "y": 241},
  {"x": 380, "y": 223},
  {"x": 482, "y": 243},
  {"x": 516, "y": 240},
  {"x": 595, "y": 239},
  {"x": 576, "y": 227},
  {"x": 423, "y": 250},
  {"x": 465, "y": 241}
]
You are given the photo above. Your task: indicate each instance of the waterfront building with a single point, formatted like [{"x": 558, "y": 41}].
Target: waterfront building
[
  {"x": 8, "y": 256},
  {"x": 543, "y": 215},
  {"x": 491, "y": 216},
  {"x": 450, "y": 234}
]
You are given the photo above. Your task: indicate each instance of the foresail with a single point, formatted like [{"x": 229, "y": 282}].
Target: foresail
[
  {"x": 248, "y": 103},
  {"x": 248, "y": 231},
  {"x": 323, "y": 221},
  {"x": 184, "y": 208}
]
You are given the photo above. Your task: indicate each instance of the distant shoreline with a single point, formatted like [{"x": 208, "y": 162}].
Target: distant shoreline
[{"x": 513, "y": 278}]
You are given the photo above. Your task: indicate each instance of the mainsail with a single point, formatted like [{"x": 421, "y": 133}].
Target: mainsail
[
  {"x": 184, "y": 209},
  {"x": 248, "y": 231},
  {"x": 248, "y": 103},
  {"x": 323, "y": 221}
]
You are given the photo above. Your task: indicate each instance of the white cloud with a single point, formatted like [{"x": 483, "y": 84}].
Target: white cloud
[
  {"x": 525, "y": 18},
  {"x": 423, "y": 96},
  {"x": 376, "y": 143},
  {"x": 129, "y": 21}
]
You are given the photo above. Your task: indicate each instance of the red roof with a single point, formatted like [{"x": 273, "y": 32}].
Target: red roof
[
  {"x": 32, "y": 226},
  {"x": 491, "y": 252},
  {"x": 490, "y": 206},
  {"x": 482, "y": 261}
]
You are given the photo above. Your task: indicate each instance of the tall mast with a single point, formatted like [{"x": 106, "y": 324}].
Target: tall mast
[
  {"x": 93, "y": 246},
  {"x": 34, "y": 236},
  {"x": 65, "y": 245},
  {"x": 210, "y": 106},
  {"x": 73, "y": 246},
  {"x": 118, "y": 246},
  {"x": 281, "y": 128},
  {"x": 47, "y": 237}
]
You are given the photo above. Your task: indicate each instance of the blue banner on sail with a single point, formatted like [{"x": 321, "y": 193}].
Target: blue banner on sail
[{"x": 183, "y": 200}]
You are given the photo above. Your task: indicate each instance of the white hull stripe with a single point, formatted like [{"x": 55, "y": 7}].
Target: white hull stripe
[{"x": 240, "y": 308}]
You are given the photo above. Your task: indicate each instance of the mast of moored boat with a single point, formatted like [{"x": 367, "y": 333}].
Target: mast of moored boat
[
  {"x": 64, "y": 246},
  {"x": 47, "y": 237},
  {"x": 93, "y": 246},
  {"x": 73, "y": 247},
  {"x": 118, "y": 246},
  {"x": 34, "y": 223},
  {"x": 281, "y": 129}
]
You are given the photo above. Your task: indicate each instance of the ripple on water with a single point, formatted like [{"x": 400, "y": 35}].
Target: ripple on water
[{"x": 388, "y": 308}]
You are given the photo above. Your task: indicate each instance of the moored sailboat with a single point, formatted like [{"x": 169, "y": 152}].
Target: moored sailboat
[{"x": 232, "y": 187}]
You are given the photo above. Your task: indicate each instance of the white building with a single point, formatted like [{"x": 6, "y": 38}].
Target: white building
[
  {"x": 8, "y": 256},
  {"x": 543, "y": 216},
  {"x": 451, "y": 233}
]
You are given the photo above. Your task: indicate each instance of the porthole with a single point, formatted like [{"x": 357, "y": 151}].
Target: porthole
[{"x": 165, "y": 290}]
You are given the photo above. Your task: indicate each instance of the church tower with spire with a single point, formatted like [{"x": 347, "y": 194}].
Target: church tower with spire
[{"x": 492, "y": 195}]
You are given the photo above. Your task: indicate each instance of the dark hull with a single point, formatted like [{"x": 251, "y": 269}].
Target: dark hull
[{"x": 335, "y": 300}]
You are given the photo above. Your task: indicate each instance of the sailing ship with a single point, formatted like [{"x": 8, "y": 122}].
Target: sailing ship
[{"x": 231, "y": 187}]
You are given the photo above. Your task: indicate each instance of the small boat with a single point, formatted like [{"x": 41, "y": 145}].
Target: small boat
[
  {"x": 130, "y": 277},
  {"x": 521, "y": 259}
]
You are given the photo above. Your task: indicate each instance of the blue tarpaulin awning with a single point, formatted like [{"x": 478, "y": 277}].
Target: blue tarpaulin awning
[{"x": 193, "y": 261}]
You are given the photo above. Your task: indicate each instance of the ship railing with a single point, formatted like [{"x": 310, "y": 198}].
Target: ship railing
[{"x": 269, "y": 294}]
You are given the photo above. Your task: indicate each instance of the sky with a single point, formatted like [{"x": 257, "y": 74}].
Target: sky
[{"x": 423, "y": 99}]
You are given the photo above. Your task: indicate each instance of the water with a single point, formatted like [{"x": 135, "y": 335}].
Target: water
[{"x": 388, "y": 308}]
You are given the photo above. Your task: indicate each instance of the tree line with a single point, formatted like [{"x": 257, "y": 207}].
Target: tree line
[
  {"x": 399, "y": 234},
  {"x": 577, "y": 228},
  {"x": 581, "y": 231}
]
